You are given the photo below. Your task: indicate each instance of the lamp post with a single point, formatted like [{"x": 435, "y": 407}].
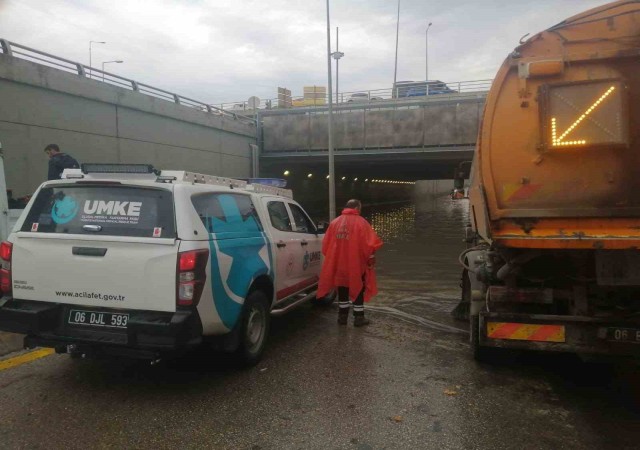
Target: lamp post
[
  {"x": 395, "y": 70},
  {"x": 426, "y": 52},
  {"x": 90, "y": 43},
  {"x": 337, "y": 55},
  {"x": 107, "y": 62},
  {"x": 332, "y": 178}
]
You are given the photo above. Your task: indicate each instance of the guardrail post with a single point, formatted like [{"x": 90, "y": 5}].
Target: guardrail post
[
  {"x": 209, "y": 110},
  {"x": 176, "y": 98},
  {"x": 81, "y": 70},
  {"x": 6, "y": 47},
  {"x": 134, "y": 86}
]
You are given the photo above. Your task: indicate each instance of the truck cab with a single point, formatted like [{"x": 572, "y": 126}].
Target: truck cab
[{"x": 128, "y": 260}]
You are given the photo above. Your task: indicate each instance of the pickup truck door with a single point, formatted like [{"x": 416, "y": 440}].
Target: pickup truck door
[
  {"x": 285, "y": 252},
  {"x": 308, "y": 245}
]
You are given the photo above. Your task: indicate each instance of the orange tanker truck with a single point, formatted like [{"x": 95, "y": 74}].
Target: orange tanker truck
[{"x": 554, "y": 263}]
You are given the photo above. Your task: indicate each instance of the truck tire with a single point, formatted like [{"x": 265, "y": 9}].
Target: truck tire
[
  {"x": 462, "y": 310},
  {"x": 254, "y": 329},
  {"x": 480, "y": 354}
]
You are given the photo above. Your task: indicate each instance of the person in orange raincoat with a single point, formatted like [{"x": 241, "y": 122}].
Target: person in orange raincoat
[{"x": 349, "y": 248}]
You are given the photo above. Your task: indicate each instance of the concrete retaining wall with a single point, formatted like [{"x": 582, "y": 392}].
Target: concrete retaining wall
[
  {"x": 96, "y": 122},
  {"x": 433, "y": 188}
]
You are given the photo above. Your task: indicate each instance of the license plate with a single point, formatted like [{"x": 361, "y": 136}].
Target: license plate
[
  {"x": 624, "y": 335},
  {"x": 98, "y": 319}
]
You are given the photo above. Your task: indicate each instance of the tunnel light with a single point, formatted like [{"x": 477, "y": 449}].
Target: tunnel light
[
  {"x": 310, "y": 175},
  {"x": 286, "y": 173},
  {"x": 344, "y": 178}
]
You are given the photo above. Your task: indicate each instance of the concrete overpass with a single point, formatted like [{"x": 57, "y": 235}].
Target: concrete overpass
[
  {"x": 403, "y": 139},
  {"x": 101, "y": 117}
]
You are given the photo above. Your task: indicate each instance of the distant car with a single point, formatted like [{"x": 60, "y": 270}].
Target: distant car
[
  {"x": 362, "y": 97},
  {"x": 359, "y": 97},
  {"x": 421, "y": 88}
]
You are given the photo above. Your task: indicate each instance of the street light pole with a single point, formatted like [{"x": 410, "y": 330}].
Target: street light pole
[
  {"x": 332, "y": 178},
  {"x": 426, "y": 53},
  {"x": 337, "y": 55},
  {"x": 395, "y": 71},
  {"x": 107, "y": 62},
  {"x": 337, "y": 65},
  {"x": 92, "y": 42}
]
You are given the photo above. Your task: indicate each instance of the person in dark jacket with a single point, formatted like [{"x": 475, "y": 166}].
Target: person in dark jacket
[{"x": 59, "y": 161}]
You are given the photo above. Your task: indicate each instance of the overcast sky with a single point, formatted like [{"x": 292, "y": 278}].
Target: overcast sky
[{"x": 228, "y": 50}]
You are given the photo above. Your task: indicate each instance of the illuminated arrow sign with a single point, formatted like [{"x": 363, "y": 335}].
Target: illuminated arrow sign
[{"x": 576, "y": 118}]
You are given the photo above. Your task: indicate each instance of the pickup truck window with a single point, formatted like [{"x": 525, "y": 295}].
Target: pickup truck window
[
  {"x": 303, "y": 223},
  {"x": 103, "y": 209},
  {"x": 279, "y": 216},
  {"x": 223, "y": 207}
]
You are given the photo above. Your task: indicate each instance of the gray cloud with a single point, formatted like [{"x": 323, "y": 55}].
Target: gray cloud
[{"x": 227, "y": 50}]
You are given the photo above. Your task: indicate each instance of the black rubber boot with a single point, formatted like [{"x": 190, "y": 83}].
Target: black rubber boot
[
  {"x": 343, "y": 316},
  {"x": 359, "y": 320}
]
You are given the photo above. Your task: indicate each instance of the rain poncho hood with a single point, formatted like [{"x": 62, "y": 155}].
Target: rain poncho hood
[{"x": 347, "y": 246}]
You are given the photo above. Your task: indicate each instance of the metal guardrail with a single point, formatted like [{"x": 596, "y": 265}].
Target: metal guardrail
[
  {"x": 9, "y": 48},
  {"x": 370, "y": 96}
]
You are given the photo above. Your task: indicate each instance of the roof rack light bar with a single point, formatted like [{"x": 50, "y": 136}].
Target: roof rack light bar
[{"x": 117, "y": 168}]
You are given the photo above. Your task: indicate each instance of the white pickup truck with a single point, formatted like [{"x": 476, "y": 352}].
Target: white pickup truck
[{"x": 126, "y": 260}]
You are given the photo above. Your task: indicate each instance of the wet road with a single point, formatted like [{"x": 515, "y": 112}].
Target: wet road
[{"x": 407, "y": 381}]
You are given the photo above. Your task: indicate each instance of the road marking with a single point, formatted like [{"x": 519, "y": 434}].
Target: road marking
[{"x": 25, "y": 358}]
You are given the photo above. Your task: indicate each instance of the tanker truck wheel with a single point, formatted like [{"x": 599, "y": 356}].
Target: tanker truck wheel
[{"x": 480, "y": 354}]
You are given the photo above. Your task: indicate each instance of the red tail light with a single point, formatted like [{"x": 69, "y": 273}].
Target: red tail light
[
  {"x": 191, "y": 276},
  {"x": 6, "y": 249}
]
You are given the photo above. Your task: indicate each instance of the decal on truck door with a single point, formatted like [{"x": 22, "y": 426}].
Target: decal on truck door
[{"x": 239, "y": 252}]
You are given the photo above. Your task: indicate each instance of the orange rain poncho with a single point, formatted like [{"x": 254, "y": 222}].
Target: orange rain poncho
[{"x": 347, "y": 246}]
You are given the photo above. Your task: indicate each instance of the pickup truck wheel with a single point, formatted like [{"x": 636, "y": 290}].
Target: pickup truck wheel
[{"x": 254, "y": 329}]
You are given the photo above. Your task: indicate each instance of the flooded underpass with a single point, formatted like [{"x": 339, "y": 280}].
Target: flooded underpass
[{"x": 418, "y": 272}]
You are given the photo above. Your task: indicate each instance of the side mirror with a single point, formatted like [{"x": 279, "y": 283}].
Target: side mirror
[{"x": 322, "y": 227}]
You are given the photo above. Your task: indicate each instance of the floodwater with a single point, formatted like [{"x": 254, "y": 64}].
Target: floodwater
[{"x": 418, "y": 270}]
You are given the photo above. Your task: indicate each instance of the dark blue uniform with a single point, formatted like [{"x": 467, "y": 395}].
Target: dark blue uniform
[{"x": 58, "y": 163}]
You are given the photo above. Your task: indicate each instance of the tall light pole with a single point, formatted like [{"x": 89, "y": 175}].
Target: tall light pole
[
  {"x": 337, "y": 55},
  {"x": 395, "y": 71},
  {"x": 90, "y": 43},
  {"x": 426, "y": 52},
  {"x": 107, "y": 62},
  {"x": 332, "y": 178}
]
